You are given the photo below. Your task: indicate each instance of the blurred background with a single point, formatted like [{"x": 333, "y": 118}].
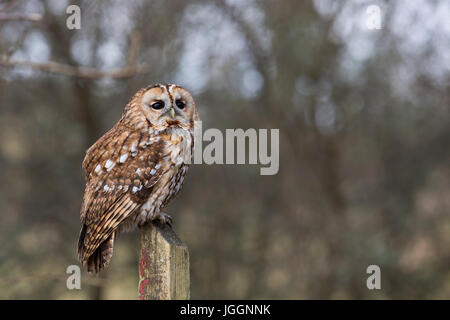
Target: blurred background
[{"x": 364, "y": 127}]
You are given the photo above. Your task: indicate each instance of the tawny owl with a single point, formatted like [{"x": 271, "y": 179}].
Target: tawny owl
[{"x": 135, "y": 169}]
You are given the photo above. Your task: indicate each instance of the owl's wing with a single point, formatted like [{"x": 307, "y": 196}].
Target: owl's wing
[{"x": 121, "y": 168}]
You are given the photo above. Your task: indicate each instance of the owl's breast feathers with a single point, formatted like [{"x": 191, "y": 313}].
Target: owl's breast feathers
[{"x": 123, "y": 169}]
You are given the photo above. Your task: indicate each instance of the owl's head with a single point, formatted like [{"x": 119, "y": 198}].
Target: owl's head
[{"x": 167, "y": 105}]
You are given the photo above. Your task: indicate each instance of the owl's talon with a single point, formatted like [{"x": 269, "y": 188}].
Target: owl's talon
[{"x": 165, "y": 219}]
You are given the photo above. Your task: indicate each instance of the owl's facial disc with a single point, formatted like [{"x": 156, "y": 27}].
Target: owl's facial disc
[{"x": 168, "y": 106}]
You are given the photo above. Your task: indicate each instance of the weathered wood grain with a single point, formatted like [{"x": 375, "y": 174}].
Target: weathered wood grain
[{"x": 163, "y": 264}]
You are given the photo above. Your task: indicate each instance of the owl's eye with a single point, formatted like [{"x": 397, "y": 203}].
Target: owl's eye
[
  {"x": 158, "y": 105},
  {"x": 180, "y": 104}
]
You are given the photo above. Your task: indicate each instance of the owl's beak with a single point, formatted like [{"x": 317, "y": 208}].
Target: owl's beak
[{"x": 172, "y": 113}]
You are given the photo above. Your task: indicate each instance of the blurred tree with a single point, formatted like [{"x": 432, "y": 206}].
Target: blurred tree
[{"x": 364, "y": 142}]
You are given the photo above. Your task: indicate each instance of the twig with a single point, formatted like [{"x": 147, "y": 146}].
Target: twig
[
  {"x": 33, "y": 17},
  {"x": 81, "y": 72}
]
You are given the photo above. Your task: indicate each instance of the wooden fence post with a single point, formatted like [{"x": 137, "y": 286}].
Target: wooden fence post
[{"x": 163, "y": 264}]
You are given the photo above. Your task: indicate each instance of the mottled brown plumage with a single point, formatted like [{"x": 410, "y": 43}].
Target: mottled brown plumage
[{"x": 135, "y": 169}]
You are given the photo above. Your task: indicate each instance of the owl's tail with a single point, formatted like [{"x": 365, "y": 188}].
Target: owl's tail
[{"x": 101, "y": 257}]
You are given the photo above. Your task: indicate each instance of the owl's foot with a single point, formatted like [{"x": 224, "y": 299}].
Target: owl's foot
[{"x": 164, "y": 218}]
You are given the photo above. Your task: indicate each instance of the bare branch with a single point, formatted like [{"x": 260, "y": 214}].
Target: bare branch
[
  {"x": 81, "y": 72},
  {"x": 33, "y": 17},
  {"x": 133, "y": 52}
]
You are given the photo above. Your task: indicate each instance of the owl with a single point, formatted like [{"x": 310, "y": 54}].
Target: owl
[{"x": 135, "y": 169}]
